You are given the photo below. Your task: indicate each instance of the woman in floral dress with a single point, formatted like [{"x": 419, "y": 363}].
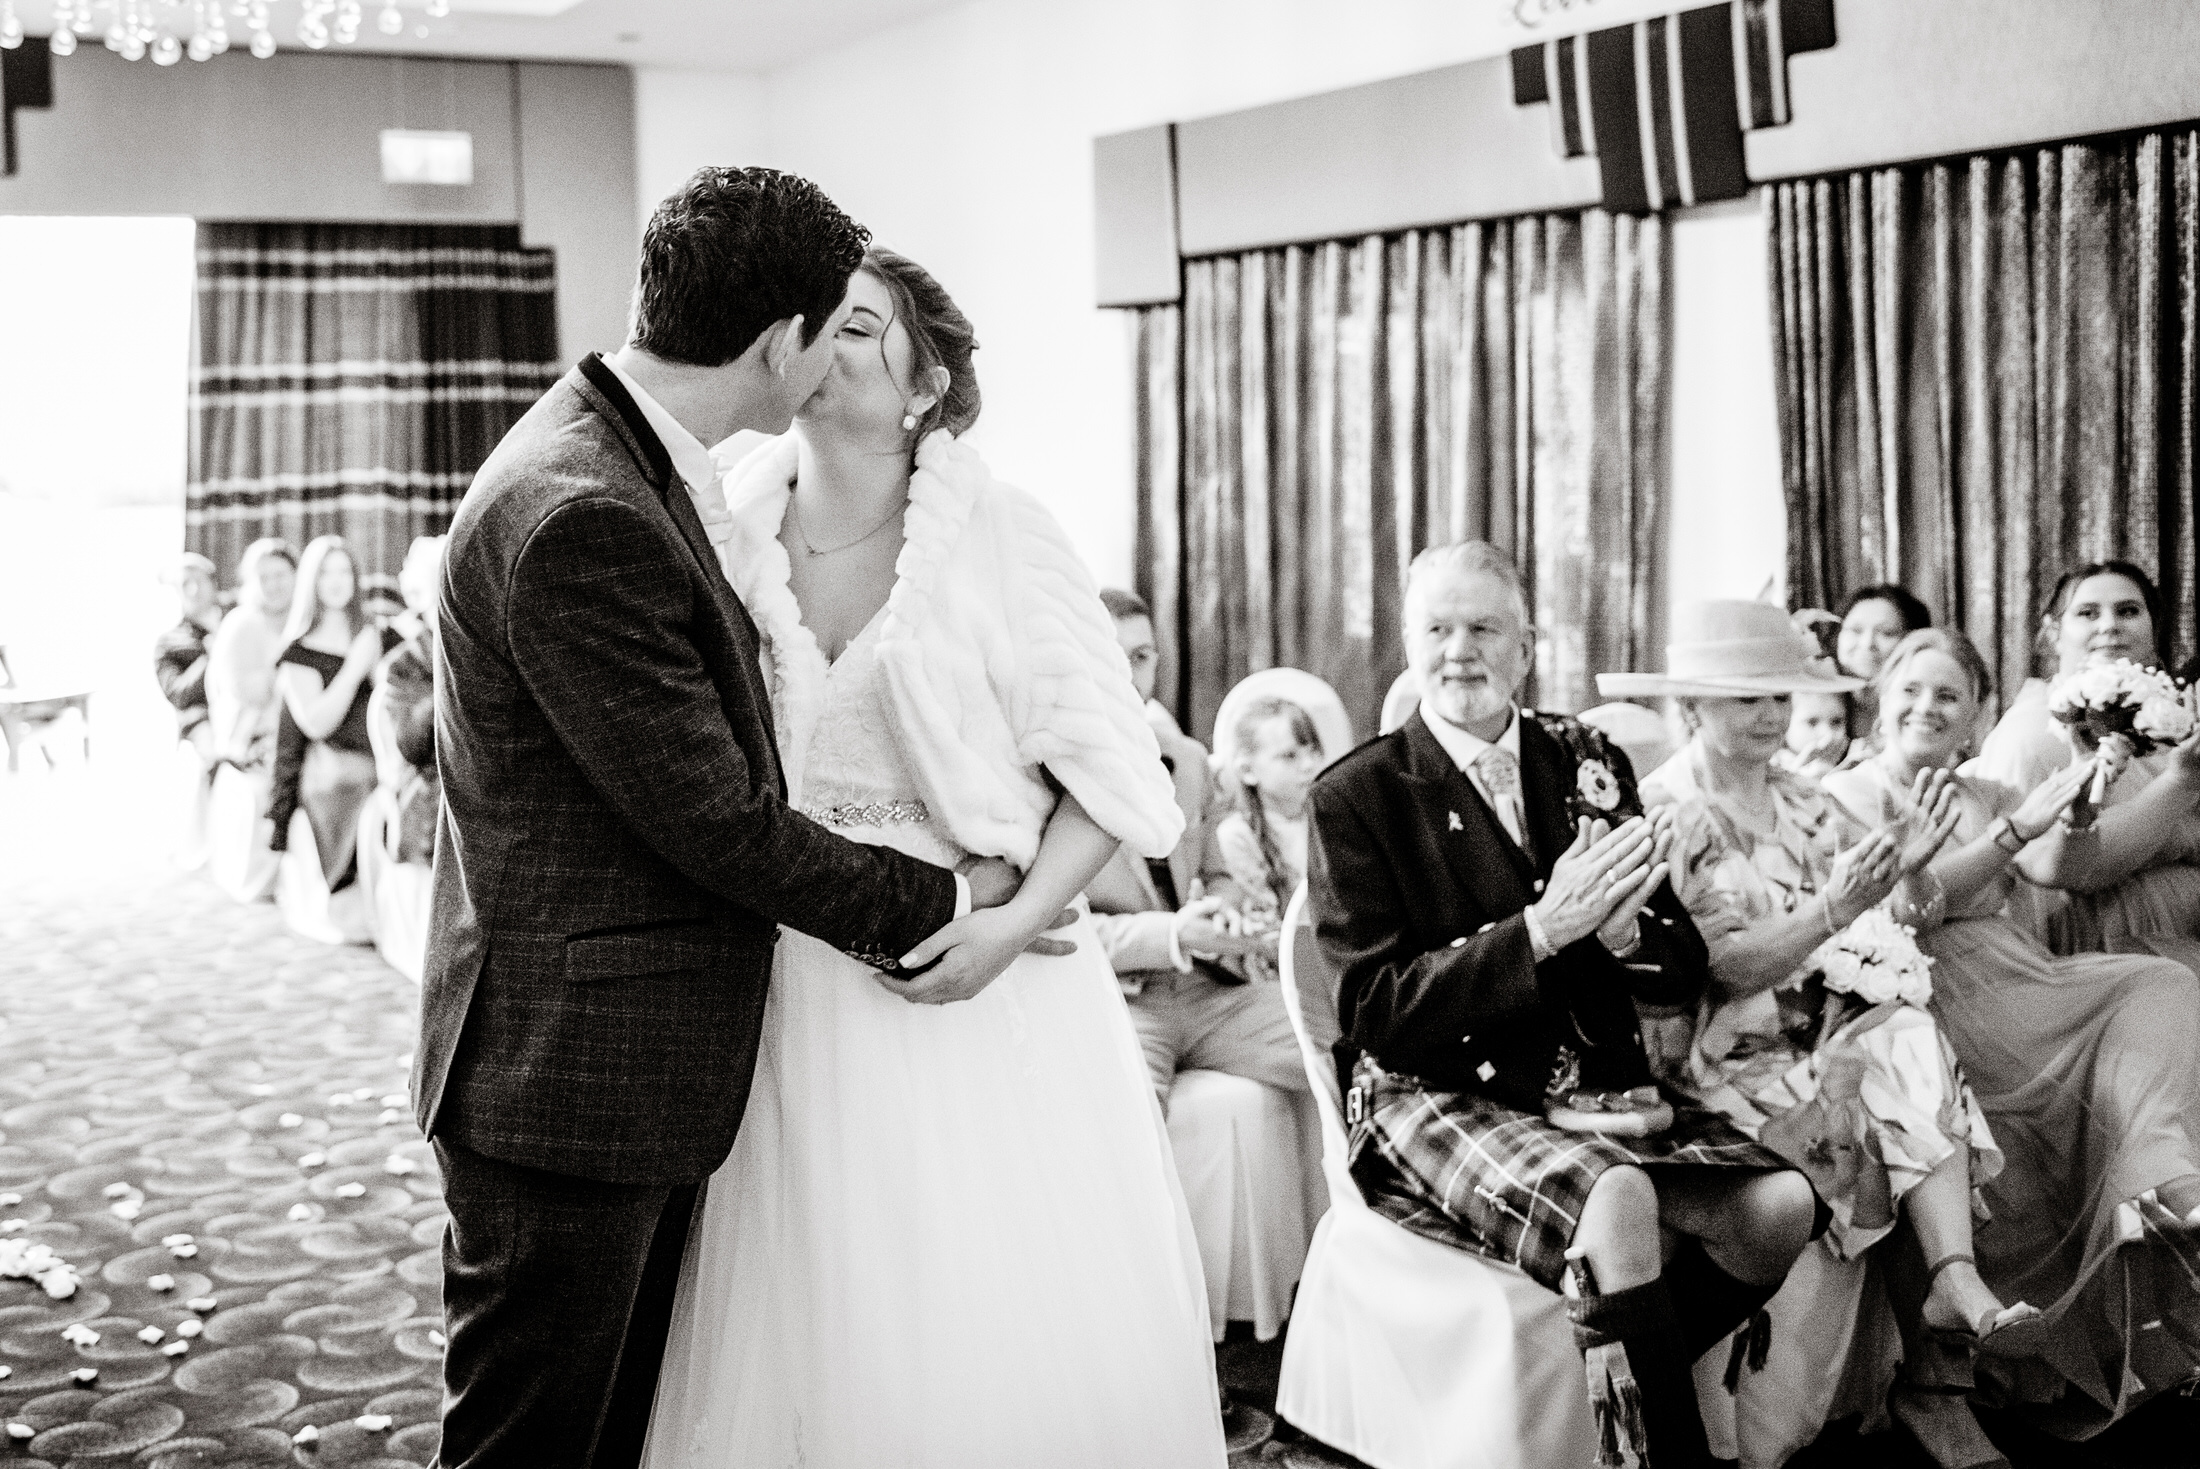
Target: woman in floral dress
[{"x": 1866, "y": 1098}]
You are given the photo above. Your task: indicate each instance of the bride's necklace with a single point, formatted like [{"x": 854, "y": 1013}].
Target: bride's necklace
[{"x": 795, "y": 510}]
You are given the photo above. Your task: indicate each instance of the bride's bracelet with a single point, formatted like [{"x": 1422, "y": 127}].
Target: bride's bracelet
[{"x": 2003, "y": 826}]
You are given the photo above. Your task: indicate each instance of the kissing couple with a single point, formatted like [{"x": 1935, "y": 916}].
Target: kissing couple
[{"x": 787, "y": 1108}]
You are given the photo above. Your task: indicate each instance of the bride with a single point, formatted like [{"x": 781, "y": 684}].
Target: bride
[{"x": 950, "y": 1232}]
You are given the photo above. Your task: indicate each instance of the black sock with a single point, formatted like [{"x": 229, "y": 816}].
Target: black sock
[
  {"x": 1640, "y": 1322},
  {"x": 1710, "y": 1303}
]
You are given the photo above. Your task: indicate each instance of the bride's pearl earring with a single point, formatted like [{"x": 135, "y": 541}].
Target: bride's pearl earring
[{"x": 909, "y": 420}]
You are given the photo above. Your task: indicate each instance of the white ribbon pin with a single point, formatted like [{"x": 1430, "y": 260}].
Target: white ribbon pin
[{"x": 1456, "y": 823}]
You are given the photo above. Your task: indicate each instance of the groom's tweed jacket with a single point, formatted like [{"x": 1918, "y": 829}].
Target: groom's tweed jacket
[{"x": 615, "y": 851}]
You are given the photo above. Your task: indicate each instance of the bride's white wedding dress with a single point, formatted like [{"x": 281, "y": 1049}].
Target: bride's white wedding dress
[{"x": 950, "y": 1236}]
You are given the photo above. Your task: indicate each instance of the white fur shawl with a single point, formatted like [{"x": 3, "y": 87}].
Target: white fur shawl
[{"x": 997, "y": 654}]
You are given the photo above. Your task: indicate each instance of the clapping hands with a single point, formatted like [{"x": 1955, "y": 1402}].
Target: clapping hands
[
  {"x": 1600, "y": 883},
  {"x": 1924, "y": 825}
]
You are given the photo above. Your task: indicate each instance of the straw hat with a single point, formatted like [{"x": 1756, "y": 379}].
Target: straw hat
[
  {"x": 1732, "y": 650},
  {"x": 1310, "y": 693}
]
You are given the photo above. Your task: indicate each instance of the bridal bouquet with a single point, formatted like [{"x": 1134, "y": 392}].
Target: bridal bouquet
[
  {"x": 1877, "y": 960},
  {"x": 2142, "y": 706}
]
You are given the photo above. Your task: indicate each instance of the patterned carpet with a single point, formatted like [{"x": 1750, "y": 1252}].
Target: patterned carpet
[{"x": 196, "y": 1105}]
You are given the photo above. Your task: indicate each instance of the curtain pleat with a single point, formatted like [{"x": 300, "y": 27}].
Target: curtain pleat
[
  {"x": 1986, "y": 371},
  {"x": 351, "y": 379},
  {"x": 1345, "y": 404}
]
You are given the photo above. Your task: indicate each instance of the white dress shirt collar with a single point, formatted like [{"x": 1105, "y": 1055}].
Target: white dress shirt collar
[
  {"x": 689, "y": 457},
  {"x": 1465, "y": 748}
]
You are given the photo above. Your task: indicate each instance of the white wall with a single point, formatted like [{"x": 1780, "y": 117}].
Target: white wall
[
  {"x": 685, "y": 119},
  {"x": 1728, "y": 530},
  {"x": 965, "y": 141}
]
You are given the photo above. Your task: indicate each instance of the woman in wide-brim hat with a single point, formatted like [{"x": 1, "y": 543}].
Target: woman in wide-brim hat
[{"x": 1866, "y": 1098}]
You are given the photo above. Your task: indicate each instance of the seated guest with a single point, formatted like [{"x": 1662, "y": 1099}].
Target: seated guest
[
  {"x": 2140, "y": 892},
  {"x": 240, "y": 661},
  {"x": 324, "y": 764},
  {"x": 1873, "y": 620},
  {"x": 407, "y": 679},
  {"x": 1165, "y": 937},
  {"x": 1817, "y": 740},
  {"x": 1771, "y": 869},
  {"x": 2083, "y": 1064},
  {"x": 180, "y": 656},
  {"x": 1275, "y": 731},
  {"x": 1497, "y": 972}
]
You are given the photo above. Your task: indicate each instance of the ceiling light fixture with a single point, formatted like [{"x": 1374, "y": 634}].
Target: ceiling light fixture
[{"x": 169, "y": 30}]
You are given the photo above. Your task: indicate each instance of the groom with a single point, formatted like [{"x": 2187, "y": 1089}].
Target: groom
[{"x": 616, "y": 853}]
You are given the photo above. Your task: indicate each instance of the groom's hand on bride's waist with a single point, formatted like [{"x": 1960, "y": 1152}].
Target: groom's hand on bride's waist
[
  {"x": 993, "y": 882},
  {"x": 960, "y": 960}
]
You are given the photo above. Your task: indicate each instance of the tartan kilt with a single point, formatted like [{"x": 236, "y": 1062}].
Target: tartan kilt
[{"x": 1467, "y": 1172}]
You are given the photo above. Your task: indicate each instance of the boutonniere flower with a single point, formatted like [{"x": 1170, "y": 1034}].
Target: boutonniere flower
[{"x": 1597, "y": 785}]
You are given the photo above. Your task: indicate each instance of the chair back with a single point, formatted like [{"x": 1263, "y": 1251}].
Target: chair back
[{"x": 1310, "y": 998}]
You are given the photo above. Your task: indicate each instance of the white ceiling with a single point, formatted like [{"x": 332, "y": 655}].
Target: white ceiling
[{"x": 707, "y": 35}]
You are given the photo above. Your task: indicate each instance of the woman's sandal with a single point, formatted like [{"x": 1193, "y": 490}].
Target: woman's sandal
[{"x": 2012, "y": 1331}]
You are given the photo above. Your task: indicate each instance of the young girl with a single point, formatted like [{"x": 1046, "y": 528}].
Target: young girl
[
  {"x": 1818, "y": 735},
  {"x": 1262, "y": 842}
]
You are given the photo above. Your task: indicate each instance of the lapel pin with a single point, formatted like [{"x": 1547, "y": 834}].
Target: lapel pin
[{"x": 1456, "y": 823}]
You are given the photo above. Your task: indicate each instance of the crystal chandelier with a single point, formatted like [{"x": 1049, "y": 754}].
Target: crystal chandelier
[{"x": 169, "y": 30}]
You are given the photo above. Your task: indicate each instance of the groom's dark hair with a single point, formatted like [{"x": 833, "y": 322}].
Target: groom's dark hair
[{"x": 734, "y": 251}]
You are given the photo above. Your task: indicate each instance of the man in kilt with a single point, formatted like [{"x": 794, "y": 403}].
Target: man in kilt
[{"x": 1486, "y": 887}]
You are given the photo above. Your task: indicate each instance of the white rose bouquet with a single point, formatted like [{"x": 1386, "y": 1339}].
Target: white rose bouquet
[
  {"x": 1877, "y": 960},
  {"x": 2141, "y": 706}
]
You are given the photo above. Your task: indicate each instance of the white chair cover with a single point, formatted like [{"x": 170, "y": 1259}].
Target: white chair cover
[
  {"x": 1249, "y": 1159},
  {"x": 307, "y": 905},
  {"x": 399, "y": 894},
  {"x": 192, "y": 795},
  {"x": 238, "y": 833},
  {"x": 1403, "y": 1352}
]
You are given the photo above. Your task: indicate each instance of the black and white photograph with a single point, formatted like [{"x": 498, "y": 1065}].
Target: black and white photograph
[{"x": 1099, "y": 734}]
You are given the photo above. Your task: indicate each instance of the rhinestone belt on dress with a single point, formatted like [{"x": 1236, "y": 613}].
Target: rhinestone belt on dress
[{"x": 869, "y": 813}]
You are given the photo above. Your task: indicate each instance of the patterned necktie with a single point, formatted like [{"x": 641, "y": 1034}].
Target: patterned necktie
[{"x": 1501, "y": 774}]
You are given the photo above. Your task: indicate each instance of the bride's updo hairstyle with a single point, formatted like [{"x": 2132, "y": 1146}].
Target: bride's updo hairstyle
[{"x": 939, "y": 336}]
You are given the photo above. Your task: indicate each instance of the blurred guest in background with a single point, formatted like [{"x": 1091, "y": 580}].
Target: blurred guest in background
[
  {"x": 407, "y": 681},
  {"x": 1873, "y": 620},
  {"x": 1274, "y": 755},
  {"x": 2140, "y": 891},
  {"x": 240, "y": 667},
  {"x": 180, "y": 656},
  {"x": 1817, "y": 739},
  {"x": 1166, "y": 937},
  {"x": 324, "y": 763}
]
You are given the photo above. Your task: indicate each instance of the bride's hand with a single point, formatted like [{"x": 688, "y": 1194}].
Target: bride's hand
[{"x": 971, "y": 953}]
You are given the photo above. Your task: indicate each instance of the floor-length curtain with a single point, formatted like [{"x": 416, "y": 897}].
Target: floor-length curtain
[
  {"x": 1345, "y": 404},
  {"x": 351, "y": 379},
  {"x": 1986, "y": 375}
]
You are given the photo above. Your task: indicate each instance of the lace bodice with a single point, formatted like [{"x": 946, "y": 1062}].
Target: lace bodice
[{"x": 852, "y": 774}]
